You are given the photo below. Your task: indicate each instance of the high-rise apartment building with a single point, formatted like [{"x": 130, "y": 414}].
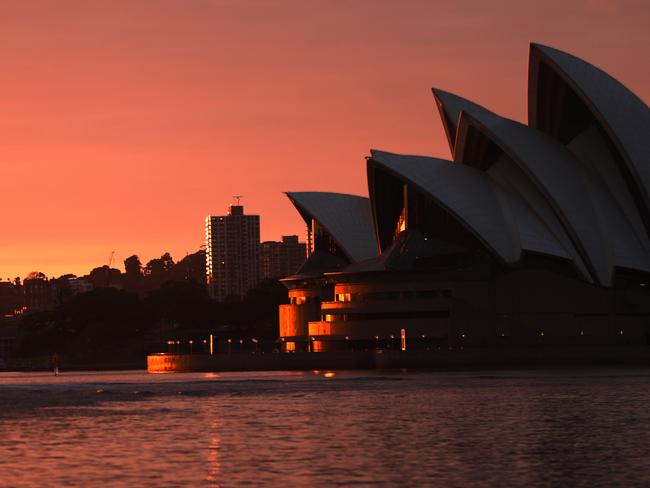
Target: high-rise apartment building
[
  {"x": 232, "y": 253},
  {"x": 280, "y": 259}
]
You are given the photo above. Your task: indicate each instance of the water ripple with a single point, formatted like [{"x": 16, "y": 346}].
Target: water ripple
[{"x": 303, "y": 429}]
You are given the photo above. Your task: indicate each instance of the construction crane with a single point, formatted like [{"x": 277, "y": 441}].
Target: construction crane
[
  {"x": 238, "y": 197},
  {"x": 108, "y": 268}
]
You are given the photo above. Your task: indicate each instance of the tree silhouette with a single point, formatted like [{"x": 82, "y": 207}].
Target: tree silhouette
[
  {"x": 167, "y": 261},
  {"x": 133, "y": 266},
  {"x": 104, "y": 276},
  {"x": 133, "y": 275},
  {"x": 190, "y": 268},
  {"x": 157, "y": 271}
]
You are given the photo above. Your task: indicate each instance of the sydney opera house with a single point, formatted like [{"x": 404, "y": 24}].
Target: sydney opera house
[{"x": 534, "y": 234}]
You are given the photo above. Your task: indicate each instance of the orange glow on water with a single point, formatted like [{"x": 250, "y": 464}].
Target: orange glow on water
[
  {"x": 324, "y": 374},
  {"x": 122, "y": 128},
  {"x": 214, "y": 462}
]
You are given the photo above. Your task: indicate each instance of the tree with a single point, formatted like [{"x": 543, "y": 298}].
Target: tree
[
  {"x": 133, "y": 275},
  {"x": 101, "y": 325},
  {"x": 157, "y": 271},
  {"x": 190, "y": 268},
  {"x": 36, "y": 275},
  {"x": 167, "y": 261},
  {"x": 104, "y": 276},
  {"x": 133, "y": 267},
  {"x": 185, "y": 304},
  {"x": 159, "y": 267}
]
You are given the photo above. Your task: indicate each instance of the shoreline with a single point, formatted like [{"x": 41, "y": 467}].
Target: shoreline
[
  {"x": 545, "y": 357},
  {"x": 460, "y": 359},
  {"x": 35, "y": 368}
]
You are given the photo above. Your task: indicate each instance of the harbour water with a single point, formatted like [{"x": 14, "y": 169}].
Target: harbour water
[{"x": 506, "y": 428}]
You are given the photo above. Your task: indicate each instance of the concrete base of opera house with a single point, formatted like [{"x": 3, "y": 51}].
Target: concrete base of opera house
[{"x": 467, "y": 358}]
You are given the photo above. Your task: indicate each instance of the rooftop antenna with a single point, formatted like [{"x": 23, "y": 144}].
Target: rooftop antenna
[{"x": 238, "y": 197}]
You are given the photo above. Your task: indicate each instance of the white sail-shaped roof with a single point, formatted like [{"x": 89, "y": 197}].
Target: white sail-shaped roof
[
  {"x": 347, "y": 218},
  {"x": 599, "y": 231},
  {"x": 509, "y": 176},
  {"x": 574, "y": 184},
  {"x": 623, "y": 116},
  {"x": 462, "y": 192},
  {"x": 595, "y": 154},
  {"x": 502, "y": 221},
  {"x": 450, "y": 106}
]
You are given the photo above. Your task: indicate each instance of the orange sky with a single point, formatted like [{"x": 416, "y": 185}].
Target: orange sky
[{"x": 124, "y": 123}]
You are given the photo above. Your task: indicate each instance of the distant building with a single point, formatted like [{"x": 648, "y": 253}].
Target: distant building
[
  {"x": 280, "y": 259},
  {"x": 79, "y": 285},
  {"x": 38, "y": 292},
  {"x": 10, "y": 298},
  {"x": 232, "y": 253}
]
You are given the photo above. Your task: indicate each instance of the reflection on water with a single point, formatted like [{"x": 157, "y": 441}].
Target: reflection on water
[
  {"x": 213, "y": 456},
  {"x": 320, "y": 428}
]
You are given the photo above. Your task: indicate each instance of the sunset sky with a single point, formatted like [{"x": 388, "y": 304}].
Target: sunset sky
[{"x": 123, "y": 123}]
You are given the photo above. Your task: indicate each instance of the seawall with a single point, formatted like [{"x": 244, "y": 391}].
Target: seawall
[
  {"x": 176, "y": 363},
  {"x": 558, "y": 356}
]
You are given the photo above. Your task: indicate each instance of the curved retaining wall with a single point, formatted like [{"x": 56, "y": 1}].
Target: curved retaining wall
[
  {"x": 558, "y": 356},
  {"x": 177, "y": 363}
]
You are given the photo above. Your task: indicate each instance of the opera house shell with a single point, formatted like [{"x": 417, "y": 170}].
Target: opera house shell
[{"x": 531, "y": 235}]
